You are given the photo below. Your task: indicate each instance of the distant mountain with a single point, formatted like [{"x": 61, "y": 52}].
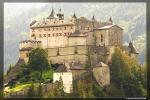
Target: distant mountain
[{"x": 130, "y": 16}]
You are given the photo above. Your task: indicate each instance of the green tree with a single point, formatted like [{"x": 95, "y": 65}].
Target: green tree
[
  {"x": 24, "y": 72},
  {"x": 88, "y": 61},
  {"x": 97, "y": 90},
  {"x": 126, "y": 74},
  {"x": 38, "y": 60},
  {"x": 84, "y": 89}
]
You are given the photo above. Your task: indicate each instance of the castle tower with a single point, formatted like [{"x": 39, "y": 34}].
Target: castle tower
[
  {"x": 60, "y": 15},
  {"x": 93, "y": 18},
  {"x": 132, "y": 50},
  {"x": 74, "y": 16},
  {"x": 93, "y": 21}
]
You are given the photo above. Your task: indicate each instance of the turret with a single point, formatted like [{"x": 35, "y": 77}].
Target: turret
[
  {"x": 110, "y": 20},
  {"x": 74, "y": 16},
  {"x": 51, "y": 16},
  {"x": 60, "y": 15},
  {"x": 132, "y": 50},
  {"x": 93, "y": 18}
]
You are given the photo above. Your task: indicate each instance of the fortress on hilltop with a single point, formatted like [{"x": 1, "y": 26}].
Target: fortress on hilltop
[
  {"x": 69, "y": 40},
  {"x": 72, "y": 43}
]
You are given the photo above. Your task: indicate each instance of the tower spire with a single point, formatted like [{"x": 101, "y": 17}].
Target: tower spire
[
  {"x": 93, "y": 18},
  {"x": 51, "y": 14},
  {"x": 74, "y": 16},
  {"x": 110, "y": 20}
]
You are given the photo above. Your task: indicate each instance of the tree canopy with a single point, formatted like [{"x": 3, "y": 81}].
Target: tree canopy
[
  {"x": 38, "y": 59},
  {"x": 127, "y": 75}
]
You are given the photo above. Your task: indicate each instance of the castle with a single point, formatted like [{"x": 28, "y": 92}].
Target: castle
[
  {"x": 69, "y": 40},
  {"x": 73, "y": 43}
]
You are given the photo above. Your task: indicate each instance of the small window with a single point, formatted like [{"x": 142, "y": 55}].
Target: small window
[
  {"x": 60, "y": 34},
  {"x": 71, "y": 27},
  {"x": 65, "y": 28},
  {"x": 88, "y": 28},
  {"x": 44, "y": 35},
  {"x": 49, "y": 35},
  {"x": 58, "y": 52},
  {"x": 101, "y": 38},
  {"x": 27, "y": 54},
  {"x": 40, "y": 35},
  {"x": 76, "y": 52}
]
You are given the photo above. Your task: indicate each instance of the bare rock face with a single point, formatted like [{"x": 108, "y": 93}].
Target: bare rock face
[{"x": 101, "y": 74}]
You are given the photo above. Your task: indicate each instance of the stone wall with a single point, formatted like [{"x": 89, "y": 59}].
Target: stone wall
[
  {"x": 115, "y": 36},
  {"x": 102, "y": 75},
  {"x": 76, "y": 54},
  {"x": 76, "y": 73}
]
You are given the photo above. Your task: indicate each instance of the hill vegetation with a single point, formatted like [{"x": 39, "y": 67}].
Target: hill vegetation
[{"x": 128, "y": 78}]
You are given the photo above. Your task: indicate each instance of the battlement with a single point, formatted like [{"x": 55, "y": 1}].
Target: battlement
[{"x": 29, "y": 44}]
